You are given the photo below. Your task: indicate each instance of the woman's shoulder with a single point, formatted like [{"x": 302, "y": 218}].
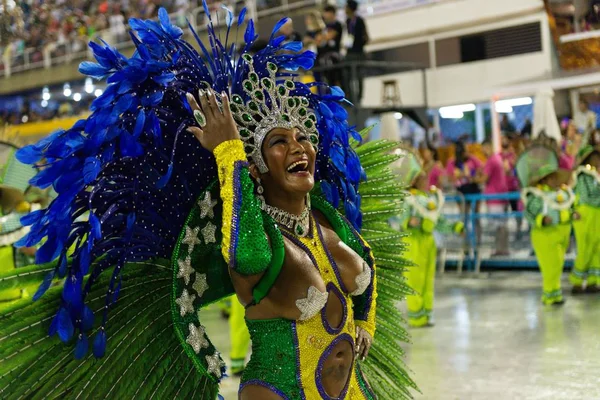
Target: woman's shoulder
[{"x": 331, "y": 217}]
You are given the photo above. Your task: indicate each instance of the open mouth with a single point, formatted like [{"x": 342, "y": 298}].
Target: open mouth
[{"x": 299, "y": 167}]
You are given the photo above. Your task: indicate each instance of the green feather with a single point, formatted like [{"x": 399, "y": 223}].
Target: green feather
[
  {"x": 382, "y": 198},
  {"x": 143, "y": 355}
]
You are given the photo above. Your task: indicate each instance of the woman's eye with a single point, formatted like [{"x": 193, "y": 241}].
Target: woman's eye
[{"x": 302, "y": 138}]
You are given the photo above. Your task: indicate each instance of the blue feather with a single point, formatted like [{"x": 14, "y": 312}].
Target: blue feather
[
  {"x": 278, "y": 26},
  {"x": 48, "y": 251},
  {"x": 139, "y": 124},
  {"x": 152, "y": 99},
  {"x": 129, "y": 146},
  {"x": 87, "y": 318},
  {"x": 29, "y": 154},
  {"x": 104, "y": 57},
  {"x": 337, "y": 91},
  {"x": 249, "y": 35},
  {"x": 62, "y": 266},
  {"x": 105, "y": 98},
  {"x": 276, "y": 42},
  {"x": 100, "y": 344},
  {"x": 130, "y": 221},
  {"x": 82, "y": 346},
  {"x": 44, "y": 286},
  {"x": 229, "y": 16},
  {"x": 164, "y": 79},
  {"x": 173, "y": 31},
  {"x": 324, "y": 110},
  {"x": 117, "y": 291},
  {"x": 91, "y": 169},
  {"x": 162, "y": 182},
  {"x": 64, "y": 325},
  {"x": 84, "y": 259},
  {"x": 242, "y": 16},
  {"x": 206, "y": 11},
  {"x": 72, "y": 290},
  {"x": 94, "y": 70},
  {"x": 292, "y": 46},
  {"x": 32, "y": 217},
  {"x": 96, "y": 229}
]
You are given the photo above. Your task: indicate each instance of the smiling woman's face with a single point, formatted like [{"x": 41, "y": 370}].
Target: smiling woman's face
[{"x": 290, "y": 157}]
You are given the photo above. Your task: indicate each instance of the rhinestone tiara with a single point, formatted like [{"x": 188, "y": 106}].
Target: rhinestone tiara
[{"x": 269, "y": 106}]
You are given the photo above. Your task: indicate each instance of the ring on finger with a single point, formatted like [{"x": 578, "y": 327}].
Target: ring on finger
[{"x": 200, "y": 118}]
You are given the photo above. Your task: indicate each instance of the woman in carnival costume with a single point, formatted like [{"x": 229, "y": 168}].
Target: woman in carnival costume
[
  {"x": 549, "y": 209},
  {"x": 587, "y": 190},
  {"x": 420, "y": 219},
  {"x": 177, "y": 223}
]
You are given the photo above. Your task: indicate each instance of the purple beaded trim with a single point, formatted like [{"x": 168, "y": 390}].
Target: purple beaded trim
[
  {"x": 264, "y": 384},
  {"x": 324, "y": 356},
  {"x": 237, "y": 204},
  {"x": 364, "y": 314},
  {"x": 301, "y": 245},
  {"x": 298, "y": 375},
  {"x": 332, "y": 330},
  {"x": 332, "y": 261}
]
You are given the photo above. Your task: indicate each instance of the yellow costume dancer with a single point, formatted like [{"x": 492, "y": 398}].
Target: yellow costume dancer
[
  {"x": 587, "y": 189},
  {"x": 420, "y": 219},
  {"x": 548, "y": 208}
]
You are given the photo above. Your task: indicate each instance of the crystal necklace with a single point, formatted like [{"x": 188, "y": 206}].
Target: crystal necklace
[{"x": 299, "y": 224}]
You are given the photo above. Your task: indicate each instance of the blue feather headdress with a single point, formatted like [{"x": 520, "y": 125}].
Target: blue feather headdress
[{"x": 128, "y": 175}]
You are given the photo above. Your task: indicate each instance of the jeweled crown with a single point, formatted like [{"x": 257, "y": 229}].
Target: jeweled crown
[{"x": 269, "y": 106}]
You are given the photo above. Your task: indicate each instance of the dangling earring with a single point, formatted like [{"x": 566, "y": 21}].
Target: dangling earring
[{"x": 259, "y": 189}]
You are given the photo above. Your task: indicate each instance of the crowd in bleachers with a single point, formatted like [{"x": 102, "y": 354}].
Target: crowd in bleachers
[{"x": 40, "y": 25}]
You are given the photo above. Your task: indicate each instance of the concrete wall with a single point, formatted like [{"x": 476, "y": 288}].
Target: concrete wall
[{"x": 444, "y": 16}]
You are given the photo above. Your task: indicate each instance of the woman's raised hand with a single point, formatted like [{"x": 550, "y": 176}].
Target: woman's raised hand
[{"x": 216, "y": 125}]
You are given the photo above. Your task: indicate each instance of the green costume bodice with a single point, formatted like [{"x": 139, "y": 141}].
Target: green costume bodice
[
  {"x": 287, "y": 356},
  {"x": 543, "y": 201},
  {"x": 587, "y": 186},
  {"x": 427, "y": 207}
]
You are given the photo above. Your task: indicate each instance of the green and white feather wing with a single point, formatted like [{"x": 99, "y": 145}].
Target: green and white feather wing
[
  {"x": 145, "y": 358},
  {"x": 382, "y": 198}
]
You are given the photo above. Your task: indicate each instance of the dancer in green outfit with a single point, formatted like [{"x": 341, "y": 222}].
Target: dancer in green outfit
[
  {"x": 549, "y": 210},
  {"x": 420, "y": 219},
  {"x": 587, "y": 190}
]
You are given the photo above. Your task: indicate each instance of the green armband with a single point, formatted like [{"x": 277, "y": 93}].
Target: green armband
[
  {"x": 565, "y": 216},
  {"x": 427, "y": 225},
  {"x": 539, "y": 220},
  {"x": 458, "y": 228}
]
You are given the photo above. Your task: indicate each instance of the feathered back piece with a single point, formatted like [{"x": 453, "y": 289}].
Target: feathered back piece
[{"x": 128, "y": 175}]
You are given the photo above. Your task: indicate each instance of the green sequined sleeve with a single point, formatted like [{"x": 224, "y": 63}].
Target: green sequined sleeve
[
  {"x": 245, "y": 245},
  {"x": 587, "y": 190},
  {"x": 534, "y": 207},
  {"x": 404, "y": 217},
  {"x": 447, "y": 227}
]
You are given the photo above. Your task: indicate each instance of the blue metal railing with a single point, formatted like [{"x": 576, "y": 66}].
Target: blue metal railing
[{"x": 474, "y": 252}]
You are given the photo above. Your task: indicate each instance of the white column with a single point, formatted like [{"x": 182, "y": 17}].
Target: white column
[
  {"x": 495, "y": 125},
  {"x": 7, "y": 60},
  {"x": 574, "y": 97},
  {"x": 432, "y": 55},
  {"x": 479, "y": 123},
  {"x": 390, "y": 127}
]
